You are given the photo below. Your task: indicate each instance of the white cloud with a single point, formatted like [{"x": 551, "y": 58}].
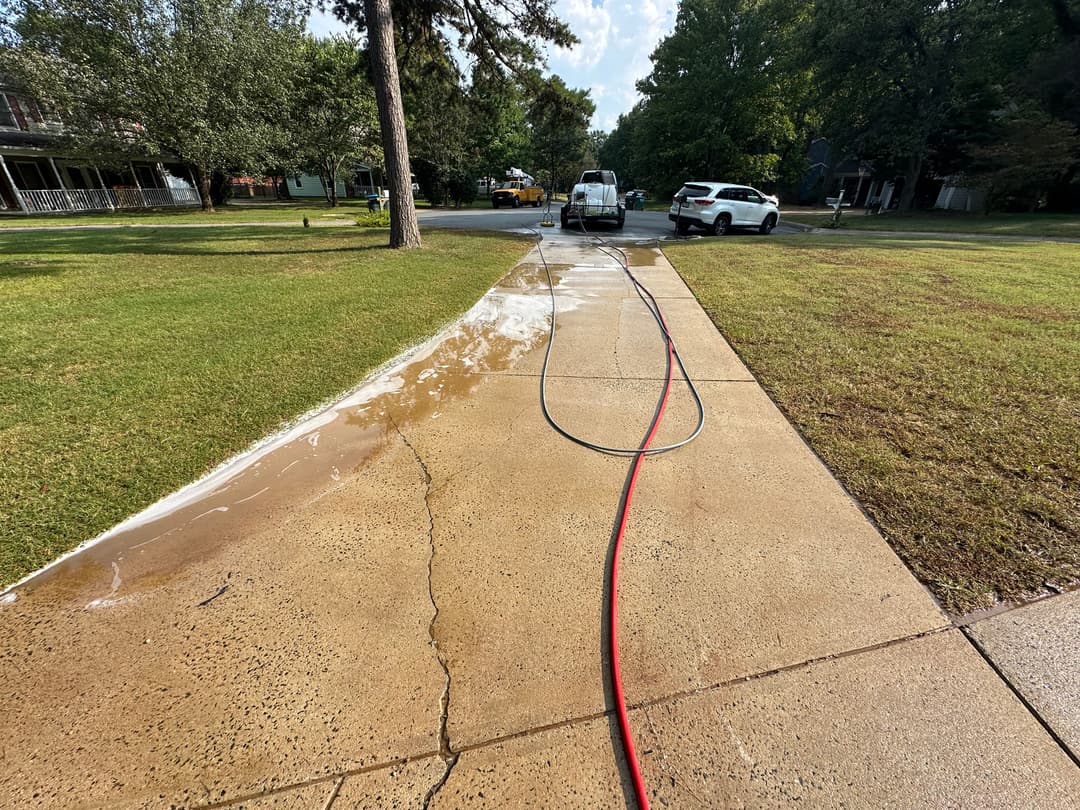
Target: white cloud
[
  {"x": 617, "y": 38},
  {"x": 591, "y": 23}
]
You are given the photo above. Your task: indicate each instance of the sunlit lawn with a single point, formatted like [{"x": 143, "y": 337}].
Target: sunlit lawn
[
  {"x": 939, "y": 380},
  {"x": 132, "y": 361},
  {"x": 1055, "y": 225}
]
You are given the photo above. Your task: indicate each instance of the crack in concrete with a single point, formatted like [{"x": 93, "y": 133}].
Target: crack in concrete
[{"x": 446, "y": 752}]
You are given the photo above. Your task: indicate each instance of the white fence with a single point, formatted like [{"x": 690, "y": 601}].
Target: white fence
[{"x": 46, "y": 201}]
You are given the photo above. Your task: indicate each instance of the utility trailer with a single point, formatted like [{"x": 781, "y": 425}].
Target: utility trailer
[{"x": 595, "y": 198}]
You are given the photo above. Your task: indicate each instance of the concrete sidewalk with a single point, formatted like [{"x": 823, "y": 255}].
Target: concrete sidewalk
[{"x": 399, "y": 604}]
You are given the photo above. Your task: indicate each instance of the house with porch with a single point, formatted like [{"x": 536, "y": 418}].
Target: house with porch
[{"x": 37, "y": 177}]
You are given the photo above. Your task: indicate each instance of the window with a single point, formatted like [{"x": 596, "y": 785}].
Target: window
[
  {"x": 7, "y": 118},
  {"x": 609, "y": 178},
  {"x": 692, "y": 191},
  {"x": 592, "y": 177},
  {"x": 753, "y": 196},
  {"x": 30, "y": 175},
  {"x": 297, "y": 181}
]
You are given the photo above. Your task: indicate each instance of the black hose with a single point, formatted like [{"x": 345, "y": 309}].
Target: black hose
[{"x": 654, "y": 309}]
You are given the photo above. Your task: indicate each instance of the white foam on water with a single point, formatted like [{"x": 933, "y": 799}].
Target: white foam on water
[{"x": 519, "y": 317}]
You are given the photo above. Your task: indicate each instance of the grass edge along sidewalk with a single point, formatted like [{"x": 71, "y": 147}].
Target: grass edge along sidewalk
[
  {"x": 1035, "y": 225},
  {"x": 936, "y": 379},
  {"x": 131, "y": 362}
]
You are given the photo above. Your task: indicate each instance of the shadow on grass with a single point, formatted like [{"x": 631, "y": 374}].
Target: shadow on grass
[
  {"x": 838, "y": 241},
  {"x": 18, "y": 268},
  {"x": 209, "y": 241}
]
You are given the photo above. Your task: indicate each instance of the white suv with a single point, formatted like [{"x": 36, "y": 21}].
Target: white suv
[{"x": 718, "y": 207}]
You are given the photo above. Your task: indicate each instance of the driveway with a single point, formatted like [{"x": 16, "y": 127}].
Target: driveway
[{"x": 640, "y": 225}]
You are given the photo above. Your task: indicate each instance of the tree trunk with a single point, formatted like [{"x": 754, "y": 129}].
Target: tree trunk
[
  {"x": 204, "y": 189},
  {"x": 331, "y": 186},
  {"x": 404, "y": 230},
  {"x": 911, "y": 180}
]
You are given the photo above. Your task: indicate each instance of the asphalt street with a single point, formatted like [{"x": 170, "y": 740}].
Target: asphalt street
[{"x": 639, "y": 224}]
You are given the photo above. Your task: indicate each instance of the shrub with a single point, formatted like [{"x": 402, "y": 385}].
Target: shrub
[{"x": 374, "y": 219}]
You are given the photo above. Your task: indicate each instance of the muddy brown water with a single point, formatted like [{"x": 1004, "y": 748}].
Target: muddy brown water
[{"x": 277, "y": 478}]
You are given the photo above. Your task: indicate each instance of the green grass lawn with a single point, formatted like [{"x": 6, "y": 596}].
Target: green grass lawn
[
  {"x": 131, "y": 362},
  {"x": 234, "y": 213},
  {"x": 939, "y": 380},
  {"x": 283, "y": 212},
  {"x": 947, "y": 221}
]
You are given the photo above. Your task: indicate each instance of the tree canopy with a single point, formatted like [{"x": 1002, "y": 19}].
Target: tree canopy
[
  {"x": 333, "y": 117},
  {"x": 502, "y": 35},
  {"x": 740, "y": 88},
  {"x": 147, "y": 77}
]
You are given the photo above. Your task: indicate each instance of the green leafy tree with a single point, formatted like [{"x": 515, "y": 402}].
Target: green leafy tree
[
  {"x": 148, "y": 77},
  {"x": 890, "y": 75},
  {"x": 505, "y": 34},
  {"x": 559, "y": 123},
  {"x": 498, "y": 131},
  {"x": 719, "y": 102},
  {"x": 333, "y": 120},
  {"x": 436, "y": 116},
  {"x": 618, "y": 150},
  {"x": 1052, "y": 77},
  {"x": 1030, "y": 153}
]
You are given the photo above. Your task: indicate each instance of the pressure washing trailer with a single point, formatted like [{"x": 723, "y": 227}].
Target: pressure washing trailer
[{"x": 594, "y": 199}]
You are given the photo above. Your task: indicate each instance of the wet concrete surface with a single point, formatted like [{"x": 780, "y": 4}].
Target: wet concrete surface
[
  {"x": 407, "y": 588},
  {"x": 1037, "y": 648}
]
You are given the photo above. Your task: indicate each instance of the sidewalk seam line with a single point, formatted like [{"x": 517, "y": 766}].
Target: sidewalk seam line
[
  {"x": 586, "y": 718},
  {"x": 573, "y": 721},
  {"x": 604, "y": 377},
  {"x": 1065, "y": 748}
]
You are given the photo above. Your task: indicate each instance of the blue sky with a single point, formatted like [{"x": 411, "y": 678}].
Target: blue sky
[{"x": 616, "y": 36}]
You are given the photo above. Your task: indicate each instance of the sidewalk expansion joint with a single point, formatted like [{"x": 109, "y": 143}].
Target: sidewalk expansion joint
[
  {"x": 571, "y": 722},
  {"x": 536, "y": 375},
  {"x": 707, "y": 689},
  {"x": 1019, "y": 695},
  {"x": 446, "y": 752}
]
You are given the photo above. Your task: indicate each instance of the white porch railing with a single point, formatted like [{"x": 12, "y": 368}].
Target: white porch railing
[{"x": 47, "y": 201}]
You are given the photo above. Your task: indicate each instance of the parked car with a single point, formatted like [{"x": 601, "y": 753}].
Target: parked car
[
  {"x": 718, "y": 207},
  {"x": 634, "y": 195}
]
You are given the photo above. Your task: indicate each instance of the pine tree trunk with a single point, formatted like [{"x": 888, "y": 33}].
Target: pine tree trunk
[
  {"x": 404, "y": 230},
  {"x": 204, "y": 189}
]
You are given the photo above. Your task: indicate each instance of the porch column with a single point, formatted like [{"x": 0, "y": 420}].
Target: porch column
[
  {"x": 135, "y": 178},
  {"x": 858, "y": 190},
  {"x": 194, "y": 185},
  {"x": 108, "y": 196},
  {"x": 165, "y": 182},
  {"x": 14, "y": 188},
  {"x": 63, "y": 188}
]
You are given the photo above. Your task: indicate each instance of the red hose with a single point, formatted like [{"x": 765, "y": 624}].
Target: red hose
[{"x": 613, "y": 625}]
